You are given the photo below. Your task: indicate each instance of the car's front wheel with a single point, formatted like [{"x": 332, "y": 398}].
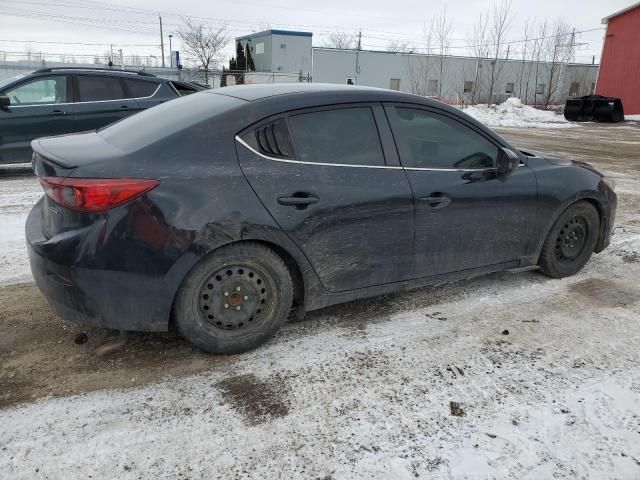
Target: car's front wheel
[
  {"x": 235, "y": 299},
  {"x": 570, "y": 241}
]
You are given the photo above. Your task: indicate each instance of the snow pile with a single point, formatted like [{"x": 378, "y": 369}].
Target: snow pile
[{"x": 513, "y": 113}]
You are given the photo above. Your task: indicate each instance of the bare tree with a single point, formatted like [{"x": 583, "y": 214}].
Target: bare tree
[
  {"x": 204, "y": 44},
  {"x": 399, "y": 46},
  {"x": 340, "y": 40},
  {"x": 558, "y": 51},
  {"x": 501, "y": 20},
  {"x": 29, "y": 51},
  {"x": 479, "y": 41},
  {"x": 419, "y": 66},
  {"x": 442, "y": 28},
  {"x": 527, "y": 33}
]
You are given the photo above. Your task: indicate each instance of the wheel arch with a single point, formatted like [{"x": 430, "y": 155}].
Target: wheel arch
[
  {"x": 589, "y": 197},
  {"x": 297, "y": 277}
]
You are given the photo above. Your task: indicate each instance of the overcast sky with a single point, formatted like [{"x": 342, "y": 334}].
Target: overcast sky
[{"x": 133, "y": 25}]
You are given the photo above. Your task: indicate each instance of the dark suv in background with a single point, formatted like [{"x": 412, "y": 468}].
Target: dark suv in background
[{"x": 55, "y": 101}]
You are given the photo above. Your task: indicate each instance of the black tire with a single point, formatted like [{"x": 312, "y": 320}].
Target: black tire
[
  {"x": 570, "y": 241},
  {"x": 235, "y": 299}
]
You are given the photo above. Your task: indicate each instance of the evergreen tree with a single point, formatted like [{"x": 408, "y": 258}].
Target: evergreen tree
[
  {"x": 241, "y": 64},
  {"x": 251, "y": 67},
  {"x": 233, "y": 65},
  {"x": 223, "y": 79},
  {"x": 241, "y": 60}
]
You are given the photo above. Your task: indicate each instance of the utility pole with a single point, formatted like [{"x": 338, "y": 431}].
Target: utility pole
[
  {"x": 161, "y": 41},
  {"x": 170, "y": 52},
  {"x": 358, "y": 53}
]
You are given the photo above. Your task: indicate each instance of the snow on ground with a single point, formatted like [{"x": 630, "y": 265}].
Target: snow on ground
[
  {"x": 513, "y": 113},
  {"x": 632, "y": 118},
  {"x": 18, "y": 196},
  {"x": 507, "y": 376}
]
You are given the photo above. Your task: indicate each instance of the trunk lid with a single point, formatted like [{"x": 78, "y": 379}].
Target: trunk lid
[{"x": 77, "y": 150}]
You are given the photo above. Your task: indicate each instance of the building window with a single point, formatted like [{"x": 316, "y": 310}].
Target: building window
[
  {"x": 394, "y": 84},
  {"x": 574, "y": 90},
  {"x": 432, "y": 87},
  {"x": 510, "y": 87},
  {"x": 259, "y": 48},
  {"x": 468, "y": 86},
  {"x": 540, "y": 89}
]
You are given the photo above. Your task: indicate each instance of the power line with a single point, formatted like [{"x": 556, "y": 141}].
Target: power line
[{"x": 81, "y": 43}]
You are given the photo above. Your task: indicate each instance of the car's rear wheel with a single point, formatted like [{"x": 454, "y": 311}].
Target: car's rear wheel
[
  {"x": 235, "y": 299},
  {"x": 571, "y": 241}
]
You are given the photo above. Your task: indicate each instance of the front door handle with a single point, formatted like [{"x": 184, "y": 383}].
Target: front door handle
[
  {"x": 58, "y": 112},
  {"x": 298, "y": 201},
  {"x": 436, "y": 202},
  {"x": 124, "y": 107}
]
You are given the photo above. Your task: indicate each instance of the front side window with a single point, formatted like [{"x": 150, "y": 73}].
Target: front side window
[
  {"x": 429, "y": 140},
  {"x": 41, "y": 91},
  {"x": 97, "y": 88},
  {"x": 344, "y": 135}
]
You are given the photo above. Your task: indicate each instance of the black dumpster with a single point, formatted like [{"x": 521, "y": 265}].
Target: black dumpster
[{"x": 594, "y": 108}]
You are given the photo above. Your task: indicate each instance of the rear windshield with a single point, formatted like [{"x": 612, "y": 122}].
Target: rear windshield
[{"x": 166, "y": 119}]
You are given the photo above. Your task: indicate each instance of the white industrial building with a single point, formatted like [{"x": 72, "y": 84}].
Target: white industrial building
[{"x": 454, "y": 79}]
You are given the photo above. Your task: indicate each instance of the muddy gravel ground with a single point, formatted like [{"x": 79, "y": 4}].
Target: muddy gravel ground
[{"x": 505, "y": 375}]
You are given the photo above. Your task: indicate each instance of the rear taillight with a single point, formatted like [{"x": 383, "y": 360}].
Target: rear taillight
[{"x": 94, "y": 194}]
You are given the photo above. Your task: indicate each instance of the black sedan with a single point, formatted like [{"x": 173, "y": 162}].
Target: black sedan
[{"x": 223, "y": 211}]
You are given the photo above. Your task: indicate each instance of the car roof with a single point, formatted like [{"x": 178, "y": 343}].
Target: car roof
[
  {"x": 100, "y": 71},
  {"x": 262, "y": 91}
]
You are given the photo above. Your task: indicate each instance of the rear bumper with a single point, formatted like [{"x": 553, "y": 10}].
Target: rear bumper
[{"x": 89, "y": 294}]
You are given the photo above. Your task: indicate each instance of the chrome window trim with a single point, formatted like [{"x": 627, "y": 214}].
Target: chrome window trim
[
  {"x": 93, "y": 101},
  {"x": 388, "y": 167}
]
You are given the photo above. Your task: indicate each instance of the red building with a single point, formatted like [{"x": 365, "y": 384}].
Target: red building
[{"x": 619, "y": 74}]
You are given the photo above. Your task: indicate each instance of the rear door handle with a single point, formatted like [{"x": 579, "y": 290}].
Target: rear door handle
[
  {"x": 298, "y": 202},
  {"x": 436, "y": 202},
  {"x": 124, "y": 107},
  {"x": 58, "y": 112}
]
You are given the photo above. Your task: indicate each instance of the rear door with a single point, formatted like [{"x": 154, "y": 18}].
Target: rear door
[
  {"x": 466, "y": 215},
  {"x": 101, "y": 100},
  {"x": 40, "y": 107},
  {"x": 326, "y": 179}
]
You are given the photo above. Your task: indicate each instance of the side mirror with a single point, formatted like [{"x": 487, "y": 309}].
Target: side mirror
[
  {"x": 508, "y": 161},
  {"x": 4, "y": 101}
]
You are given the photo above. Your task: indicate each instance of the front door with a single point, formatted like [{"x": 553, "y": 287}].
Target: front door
[
  {"x": 334, "y": 194},
  {"x": 466, "y": 215},
  {"x": 39, "y": 108}
]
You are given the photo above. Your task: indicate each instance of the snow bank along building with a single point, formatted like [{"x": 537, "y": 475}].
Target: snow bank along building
[
  {"x": 290, "y": 56},
  {"x": 619, "y": 74}
]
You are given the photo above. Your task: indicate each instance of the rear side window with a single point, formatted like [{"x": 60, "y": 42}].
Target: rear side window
[
  {"x": 345, "y": 135},
  {"x": 429, "y": 140},
  {"x": 140, "y": 88},
  {"x": 96, "y": 88}
]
